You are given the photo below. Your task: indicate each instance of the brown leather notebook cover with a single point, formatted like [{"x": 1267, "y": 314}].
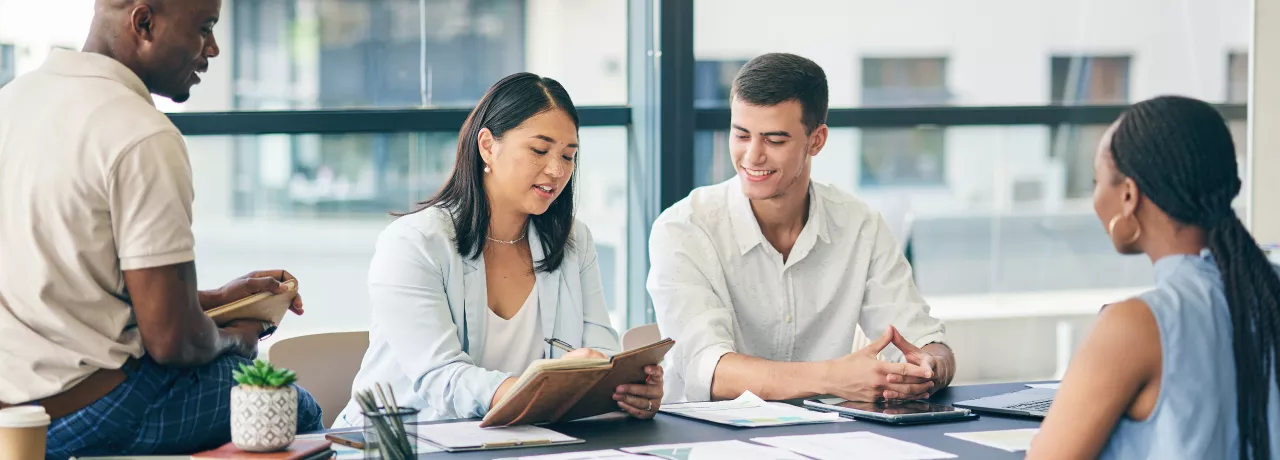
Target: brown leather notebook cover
[
  {"x": 262, "y": 306},
  {"x": 299, "y": 450},
  {"x": 570, "y": 394}
]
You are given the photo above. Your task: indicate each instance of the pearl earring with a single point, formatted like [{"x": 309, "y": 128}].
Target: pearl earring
[{"x": 486, "y": 169}]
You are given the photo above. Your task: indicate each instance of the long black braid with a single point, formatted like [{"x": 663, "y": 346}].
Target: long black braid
[{"x": 1180, "y": 153}]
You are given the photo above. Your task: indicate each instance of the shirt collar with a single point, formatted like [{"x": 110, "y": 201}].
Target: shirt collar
[
  {"x": 94, "y": 65},
  {"x": 1167, "y": 265},
  {"x": 746, "y": 229}
]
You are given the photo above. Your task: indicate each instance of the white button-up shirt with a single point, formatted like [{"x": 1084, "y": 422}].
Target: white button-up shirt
[{"x": 719, "y": 286}]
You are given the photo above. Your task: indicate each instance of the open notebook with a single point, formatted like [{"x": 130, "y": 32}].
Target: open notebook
[
  {"x": 554, "y": 390},
  {"x": 263, "y": 306}
]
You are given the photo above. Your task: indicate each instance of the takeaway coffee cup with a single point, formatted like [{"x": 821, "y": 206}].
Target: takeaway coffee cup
[{"x": 22, "y": 432}]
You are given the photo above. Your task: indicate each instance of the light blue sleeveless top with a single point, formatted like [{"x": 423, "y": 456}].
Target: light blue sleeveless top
[{"x": 1195, "y": 413}]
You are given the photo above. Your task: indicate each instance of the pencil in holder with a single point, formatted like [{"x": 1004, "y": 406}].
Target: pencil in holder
[{"x": 390, "y": 434}]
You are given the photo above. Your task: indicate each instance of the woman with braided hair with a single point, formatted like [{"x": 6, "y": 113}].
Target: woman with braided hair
[{"x": 1188, "y": 369}]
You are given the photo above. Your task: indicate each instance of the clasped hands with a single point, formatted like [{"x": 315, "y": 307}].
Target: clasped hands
[{"x": 861, "y": 376}]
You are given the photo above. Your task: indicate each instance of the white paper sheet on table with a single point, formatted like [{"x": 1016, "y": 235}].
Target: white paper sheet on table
[
  {"x": 836, "y": 446},
  {"x": 750, "y": 411},
  {"x": 469, "y": 434},
  {"x": 1051, "y": 386},
  {"x": 1009, "y": 440},
  {"x": 349, "y": 453},
  {"x": 715, "y": 450},
  {"x": 586, "y": 455}
]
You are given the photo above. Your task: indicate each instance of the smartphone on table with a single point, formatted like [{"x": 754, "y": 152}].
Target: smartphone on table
[{"x": 353, "y": 440}]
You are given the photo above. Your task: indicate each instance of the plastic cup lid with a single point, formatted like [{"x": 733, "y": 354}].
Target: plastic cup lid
[{"x": 23, "y": 417}]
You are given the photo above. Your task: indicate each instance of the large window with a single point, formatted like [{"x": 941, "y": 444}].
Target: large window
[
  {"x": 910, "y": 156},
  {"x": 712, "y": 84},
  {"x": 256, "y": 212},
  {"x": 987, "y": 207},
  {"x": 373, "y": 53},
  {"x": 298, "y": 54},
  {"x": 1079, "y": 80},
  {"x": 326, "y": 196},
  {"x": 360, "y": 54},
  {"x": 1084, "y": 80}
]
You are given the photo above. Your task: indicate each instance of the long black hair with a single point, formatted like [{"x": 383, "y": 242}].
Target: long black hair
[
  {"x": 1180, "y": 153},
  {"x": 506, "y": 105}
]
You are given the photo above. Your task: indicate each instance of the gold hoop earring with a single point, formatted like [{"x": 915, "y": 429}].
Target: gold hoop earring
[{"x": 1111, "y": 228}]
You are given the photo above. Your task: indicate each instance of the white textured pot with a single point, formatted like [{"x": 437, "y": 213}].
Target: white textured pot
[{"x": 263, "y": 419}]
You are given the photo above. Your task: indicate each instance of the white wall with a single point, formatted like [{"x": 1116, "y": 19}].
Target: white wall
[{"x": 1265, "y": 100}]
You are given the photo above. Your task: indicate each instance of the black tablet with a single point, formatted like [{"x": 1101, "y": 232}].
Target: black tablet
[{"x": 892, "y": 412}]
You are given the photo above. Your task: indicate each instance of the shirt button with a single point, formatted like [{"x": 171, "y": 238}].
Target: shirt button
[{"x": 788, "y": 318}]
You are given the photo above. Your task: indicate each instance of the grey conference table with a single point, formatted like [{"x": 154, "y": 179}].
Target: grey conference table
[{"x": 617, "y": 432}]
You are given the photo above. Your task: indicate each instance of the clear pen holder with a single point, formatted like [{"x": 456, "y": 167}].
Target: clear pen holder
[{"x": 391, "y": 435}]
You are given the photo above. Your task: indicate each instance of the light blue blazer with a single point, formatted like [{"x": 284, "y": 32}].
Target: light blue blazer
[{"x": 429, "y": 311}]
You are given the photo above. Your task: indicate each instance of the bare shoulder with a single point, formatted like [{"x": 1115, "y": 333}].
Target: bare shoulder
[
  {"x": 1131, "y": 313},
  {"x": 1129, "y": 327}
]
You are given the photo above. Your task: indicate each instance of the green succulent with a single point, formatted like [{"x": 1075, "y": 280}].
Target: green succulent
[{"x": 263, "y": 374}]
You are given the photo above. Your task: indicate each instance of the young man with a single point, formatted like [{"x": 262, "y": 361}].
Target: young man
[
  {"x": 100, "y": 319},
  {"x": 762, "y": 279}
]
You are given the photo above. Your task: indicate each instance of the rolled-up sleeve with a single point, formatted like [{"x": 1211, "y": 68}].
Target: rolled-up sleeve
[
  {"x": 688, "y": 308},
  {"x": 411, "y": 313},
  {"x": 892, "y": 297},
  {"x": 597, "y": 333}
]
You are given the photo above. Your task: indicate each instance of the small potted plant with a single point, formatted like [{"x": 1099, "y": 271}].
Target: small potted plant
[{"x": 264, "y": 408}]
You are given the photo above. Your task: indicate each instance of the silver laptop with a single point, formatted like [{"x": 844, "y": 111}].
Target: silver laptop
[{"x": 1031, "y": 402}]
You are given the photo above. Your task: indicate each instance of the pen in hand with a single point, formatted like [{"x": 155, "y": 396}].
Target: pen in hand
[{"x": 561, "y": 345}]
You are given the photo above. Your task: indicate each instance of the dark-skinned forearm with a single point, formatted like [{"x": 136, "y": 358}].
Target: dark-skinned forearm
[{"x": 174, "y": 328}]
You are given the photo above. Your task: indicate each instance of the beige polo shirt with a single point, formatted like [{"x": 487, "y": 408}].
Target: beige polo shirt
[{"x": 93, "y": 181}]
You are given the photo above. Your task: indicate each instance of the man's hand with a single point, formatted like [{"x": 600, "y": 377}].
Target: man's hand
[
  {"x": 245, "y": 332},
  {"x": 861, "y": 376},
  {"x": 914, "y": 355},
  {"x": 260, "y": 281}
]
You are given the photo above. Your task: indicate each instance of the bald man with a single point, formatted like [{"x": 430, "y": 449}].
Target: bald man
[{"x": 100, "y": 319}]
